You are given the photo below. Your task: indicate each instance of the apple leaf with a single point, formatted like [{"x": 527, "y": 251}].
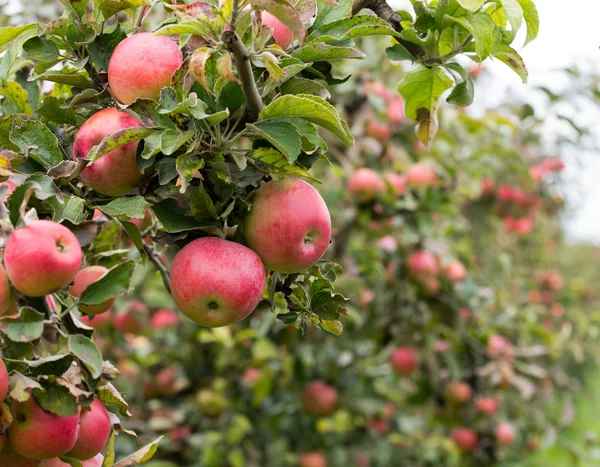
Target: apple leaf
[
  {"x": 532, "y": 19},
  {"x": 87, "y": 352},
  {"x": 276, "y": 164},
  {"x": 115, "y": 282},
  {"x": 421, "y": 88},
  {"x": 56, "y": 399},
  {"x": 328, "y": 12},
  {"x": 26, "y": 327},
  {"x": 142, "y": 455},
  {"x": 37, "y": 141},
  {"x": 283, "y": 135},
  {"x": 471, "y": 5},
  {"x": 118, "y": 139},
  {"x": 130, "y": 207},
  {"x": 349, "y": 28}
]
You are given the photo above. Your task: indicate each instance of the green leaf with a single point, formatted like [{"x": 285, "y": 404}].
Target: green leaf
[
  {"x": 202, "y": 205},
  {"x": 9, "y": 33},
  {"x": 87, "y": 352},
  {"x": 173, "y": 217},
  {"x": 350, "y": 28},
  {"x": 311, "y": 140},
  {"x": 133, "y": 232},
  {"x": 471, "y": 5},
  {"x": 167, "y": 170},
  {"x": 52, "y": 110},
  {"x": 532, "y": 19},
  {"x": 37, "y": 141},
  {"x": 320, "y": 51},
  {"x": 56, "y": 399},
  {"x": 328, "y": 13},
  {"x": 422, "y": 88},
  {"x": 304, "y": 86},
  {"x": 195, "y": 28},
  {"x": 140, "y": 456},
  {"x": 334, "y": 327},
  {"x": 328, "y": 305},
  {"x": 11, "y": 59},
  {"x": 283, "y": 135},
  {"x": 130, "y": 207},
  {"x": 115, "y": 282},
  {"x": 43, "y": 188},
  {"x": 311, "y": 108},
  {"x": 112, "y": 7},
  {"x": 103, "y": 46},
  {"x": 397, "y": 53},
  {"x": 285, "y": 12},
  {"x": 510, "y": 57},
  {"x": 118, "y": 139},
  {"x": 481, "y": 26},
  {"x": 514, "y": 14},
  {"x": 108, "y": 394},
  {"x": 42, "y": 49},
  {"x": 186, "y": 166},
  {"x": 172, "y": 140},
  {"x": 27, "y": 327},
  {"x": 78, "y": 79},
  {"x": 19, "y": 96},
  {"x": 462, "y": 94},
  {"x": 71, "y": 209},
  {"x": 277, "y": 165}
]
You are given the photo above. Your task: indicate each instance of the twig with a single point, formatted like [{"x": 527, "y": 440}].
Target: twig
[
  {"x": 234, "y": 13},
  {"x": 254, "y": 102},
  {"x": 449, "y": 55},
  {"x": 164, "y": 272},
  {"x": 140, "y": 19}
]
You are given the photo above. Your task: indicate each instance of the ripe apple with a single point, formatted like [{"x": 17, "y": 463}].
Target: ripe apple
[
  {"x": 319, "y": 398},
  {"x": 365, "y": 184},
  {"x": 164, "y": 319},
  {"x": 398, "y": 183},
  {"x": 142, "y": 65},
  {"x": 94, "y": 430},
  {"x": 56, "y": 462},
  {"x": 313, "y": 459},
  {"x": 499, "y": 347},
  {"x": 505, "y": 433},
  {"x": 37, "y": 434},
  {"x": 116, "y": 173},
  {"x": 41, "y": 258},
  {"x": 83, "y": 279},
  {"x": 216, "y": 282},
  {"x": 281, "y": 34},
  {"x": 404, "y": 360},
  {"x": 487, "y": 186},
  {"x": 487, "y": 405},
  {"x": 8, "y": 304},
  {"x": 9, "y": 458},
  {"x": 251, "y": 376},
  {"x": 458, "y": 392},
  {"x": 422, "y": 263},
  {"x": 421, "y": 175},
  {"x": 395, "y": 110},
  {"x": 379, "y": 131},
  {"x": 378, "y": 425},
  {"x": 523, "y": 225},
  {"x": 387, "y": 243},
  {"x": 133, "y": 319},
  {"x": 99, "y": 321},
  {"x": 289, "y": 225},
  {"x": 456, "y": 271},
  {"x": 465, "y": 438}
]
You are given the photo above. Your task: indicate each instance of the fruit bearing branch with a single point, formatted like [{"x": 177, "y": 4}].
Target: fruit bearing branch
[
  {"x": 254, "y": 102},
  {"x": 162, "y": 269}
]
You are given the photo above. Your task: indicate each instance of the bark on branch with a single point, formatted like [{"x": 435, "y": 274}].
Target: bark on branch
[
  {"x": 162, "y": 269},
  {"x": 254, "y": 102}
]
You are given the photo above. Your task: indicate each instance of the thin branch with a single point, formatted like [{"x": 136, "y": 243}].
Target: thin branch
[
  {"x": 449, "y": 55},
  {"x": 140, "y": 19},
  {"x": 254, "y": 102},
  {"x": 164, "y": 272},
  {"x": 234, "y": 13}
]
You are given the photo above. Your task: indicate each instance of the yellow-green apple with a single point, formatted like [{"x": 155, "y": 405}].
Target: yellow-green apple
[
  {"x": 313, "y": 459},
  {"x": 211, "y": 403},
  {"x": 365, "y": 184},
  {"x": 487, "y": 405},
  {"x": 458, "y": 392},
  {"x": 164, "y": 319},
  {"x": 319, "y": 398},
  {"x": 421, "y": 175},
  {"x": 38, "y": 434},
  {"x": 94, "y": 430},
  {"x": 456, "y": 271},
  {"x": 465, "y": 439},
  {"x": 42, "y": 257},
  {"x": 133, "y": 319},
  {"x": 422, "y": 263},
  {"x": 505, "y": 433},
  {"x": 397, "y": 182},
  {"x": 142, "y": 65},
  {"x": 288, "y": 226},
  {"x": 3, "y": 381},
  {"x": 9, "y": 458},
  {"x": 116, "y": 173},
  {"x": 83, "y": 279},
  {"x": 404, "y": 360},
  {"x": 216, "y": 282},
  {"x": 8, "y": 304},
  {"x": 281, "y": 34},
  {"x": 56, "y": 462}
]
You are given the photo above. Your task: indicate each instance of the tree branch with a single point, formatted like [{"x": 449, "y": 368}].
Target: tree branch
[
  {"x": 254, "y": 102},
  {"x": 164, "y": 272},
  {"x": 385, "y": 12},
  {"x": 141, "y": 16},
  {"x": 234, "y": 13}
]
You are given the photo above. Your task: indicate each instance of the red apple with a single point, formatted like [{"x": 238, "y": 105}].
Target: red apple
[
  {"x": 94, "y": 430},
  {"x": 458, "y": 392},
  {"x": 313, "y": 459},
  {"x": 404, "y": 360},
  {"x": 387, "y": 243},
  {"x": 398, "y": 183},
  {"x": 164, "y": 319},
  {"x": 379, "y": 131},
  {"x": 281, "y": 34},
  {"x": 288, "y": 226},
  {"x": 523, "y": 225},
  {"x": 487, "y": 186},
  {"x": 41, "y": 258},
  {"x": 395, "y": 110},
  {"x": 365, "y": 184},
  {"x": 505, "y": 434},
  {"x": 100, "y": 321},
  {"x": 421, "y": 175},
  {"x": 37, "y": 434},
  {"x": 487, "y": 405},
  {"x": 465, "y": 438},
  {"x": 251, "y": 376},
  {"x": 133, "y": 319},
  {"x": 141, "y": 66},
  {"x": 116, "y": 173},
  {"x": 8, "y": 304},
  {"x": 499, "y": 347},
  {"x": 422, "y": 262},
  {"x": 83, "y": 279},
  {"x": 216, "y": 282},
  {"x": 319, "y": 398},
  {"x": 56, "y": 462},
  {"x": 456, "y": 271},
  {"x": 9, "y": 458}
]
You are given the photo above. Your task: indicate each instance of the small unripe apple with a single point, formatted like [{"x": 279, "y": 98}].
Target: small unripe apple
[
  {"x": 404, "y": 360},
  {"x": 398, "y": 183},
  {"x": 38, "y": 434},
  {"x": 41, "y": 258},
  {"x": 505, "y": 434},
  {"x": 116, "y": 173},
  {"x": 289, "y": 225},
  {"x": 456, "y": 271},
  {"x": 281, "y": 34},
  {"x": 465, "y": 438},
  {"x": 487, "y": 405},
  {"x": 365, "y": 184},
  {"x": 421, "y": 175},
  {"x": 313, "y": 459},
  {"x": 421, "y": 263},
  {"x": 216, "y": 282},
  {"x": 9, "y": 458},
  {"x": 499, "y": 347},
  {"x": 458, "y": 392},
  {"x": 142, "y": 65},
  {"x": 164, "y": 319},
  {"x": 83, "y": 279},
  {"x": 319, "y": 398},
  {"x": 94, "y": 430},
  {"x": 8, "y": 304}
]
